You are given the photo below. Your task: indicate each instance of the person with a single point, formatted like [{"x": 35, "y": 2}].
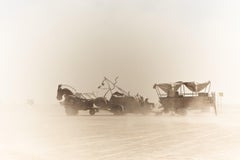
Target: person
[
  {"x": 141, "y": 100},
  {"x": 146, "y": 100},
  {"x": 172, "y": 93}
]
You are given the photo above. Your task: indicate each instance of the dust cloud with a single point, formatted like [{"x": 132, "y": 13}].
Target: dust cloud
[{"x": 45, "y": 132}]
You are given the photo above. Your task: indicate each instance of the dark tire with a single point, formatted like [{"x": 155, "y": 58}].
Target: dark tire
[
  {"x": 92, "y": 112},
  {"x": 118, "y": 110},
  {"x": 71, "y": 111}
]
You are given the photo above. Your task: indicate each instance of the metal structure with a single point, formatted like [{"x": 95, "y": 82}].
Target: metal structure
[
  {"x": 121, "y": 101},
  {"x": 181, "y": 96}
]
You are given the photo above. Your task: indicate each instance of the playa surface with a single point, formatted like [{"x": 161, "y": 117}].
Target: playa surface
[{"x": 46, "y": 133}]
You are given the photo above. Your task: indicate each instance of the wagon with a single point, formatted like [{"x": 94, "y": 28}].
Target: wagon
[
  {"x": 121, "y": 102},
  {"x": 181, "y": 96},
  {"x": 75, "y": 101}
]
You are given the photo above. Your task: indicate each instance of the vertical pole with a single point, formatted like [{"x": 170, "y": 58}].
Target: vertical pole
[
  {"x": 184, "y": 91},
  {"x": 214, "y": 103}
]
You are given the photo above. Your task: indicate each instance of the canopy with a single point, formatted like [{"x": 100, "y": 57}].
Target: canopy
[
  {"x": 86, "y": 95},
  {"x": 169, "y": 87},
  {"x": 196, "y": 87},
  {"x": 173, "y": 87}
]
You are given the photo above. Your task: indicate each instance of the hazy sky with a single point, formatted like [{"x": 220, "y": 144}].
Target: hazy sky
[{"x": 77, "y": 42}]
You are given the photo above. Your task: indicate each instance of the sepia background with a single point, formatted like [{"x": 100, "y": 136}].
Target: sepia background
[
  {"x": 47, "y": 42},
  {"x": 44, "y": 43}
]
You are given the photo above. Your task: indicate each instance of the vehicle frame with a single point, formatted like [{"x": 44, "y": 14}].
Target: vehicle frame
[{"x": 181, "y": 96}]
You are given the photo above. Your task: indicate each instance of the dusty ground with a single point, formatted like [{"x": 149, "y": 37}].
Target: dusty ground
[{"x": 45, "y": 133}]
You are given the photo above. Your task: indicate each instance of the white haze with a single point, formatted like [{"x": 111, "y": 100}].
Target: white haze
[
  {"x": 44, "y": 43},
  {"x": 44, "y": 132}
]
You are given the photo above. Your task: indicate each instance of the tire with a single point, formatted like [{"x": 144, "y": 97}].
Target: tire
[
  {"x": 92, "y": 112},
  {"x": 70, "y": 111},
  {"x": 118, "y": 110}
]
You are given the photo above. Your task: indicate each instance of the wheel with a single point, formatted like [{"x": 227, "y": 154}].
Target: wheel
[
  {"x": 71, "y": 111},
  {"x": 92, "y": 112},
  {"x": 118, "y": 110}
]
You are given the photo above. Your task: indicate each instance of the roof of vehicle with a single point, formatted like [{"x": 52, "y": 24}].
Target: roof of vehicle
[{"x": 192, "y": 86}]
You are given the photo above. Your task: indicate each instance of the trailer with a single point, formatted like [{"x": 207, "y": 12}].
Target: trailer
[
  {"x": 178, "y": 97},
  {"x": 121, "y": 102}
]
